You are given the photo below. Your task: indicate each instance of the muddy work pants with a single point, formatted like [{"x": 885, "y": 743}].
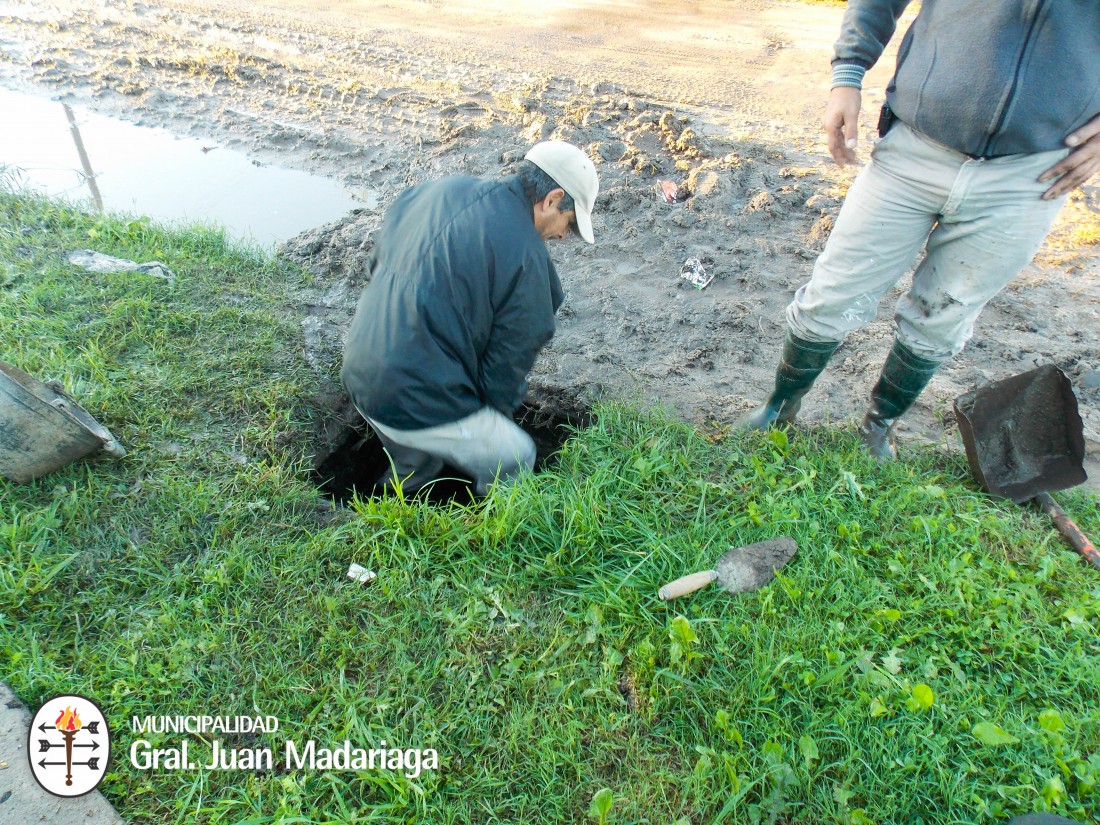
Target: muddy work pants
[
  {"x": 980, "y": 221},
  {"x": 487, "y": 445}
]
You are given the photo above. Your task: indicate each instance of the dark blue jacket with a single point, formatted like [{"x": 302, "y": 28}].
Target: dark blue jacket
[
  {"x": 985, "y": 77},
  {"x": 462, "y": 296}
]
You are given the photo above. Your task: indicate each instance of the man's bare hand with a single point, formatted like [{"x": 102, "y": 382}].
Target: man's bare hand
[
  {"x": 1079, "y": 165},
  {"x": 841, "y": 122}
]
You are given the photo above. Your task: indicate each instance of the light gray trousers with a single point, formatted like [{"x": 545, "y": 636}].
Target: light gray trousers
[
  {"x": 487, "y": 444},
  {"x": 981, "y": 222}
]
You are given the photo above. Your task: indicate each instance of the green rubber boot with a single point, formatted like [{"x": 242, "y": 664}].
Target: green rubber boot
[
  {"x": 801, "y": 363},
  {"x": 904, "y": 376}
]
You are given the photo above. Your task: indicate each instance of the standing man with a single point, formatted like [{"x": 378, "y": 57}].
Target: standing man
[
  {"x": 462, "y": 296},
  {"x": 973, "y": 165}
]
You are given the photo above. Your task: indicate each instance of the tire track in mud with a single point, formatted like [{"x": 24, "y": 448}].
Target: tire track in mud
[{"x": 717, "y": 70}]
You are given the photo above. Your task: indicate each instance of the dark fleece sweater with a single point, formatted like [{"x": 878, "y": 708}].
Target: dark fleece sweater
[
  {"x": 462, "y": 296},
  {"x": 985, "y": 77}
]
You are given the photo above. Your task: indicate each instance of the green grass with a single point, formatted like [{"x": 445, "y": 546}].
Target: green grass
[{"x": 521, "y": 638}]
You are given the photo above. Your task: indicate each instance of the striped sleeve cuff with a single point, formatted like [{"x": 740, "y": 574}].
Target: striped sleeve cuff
[{"x": 848, "y": 74}]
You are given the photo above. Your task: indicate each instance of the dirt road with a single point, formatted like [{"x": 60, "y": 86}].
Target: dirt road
[
  {"x": 752, "y": 61},
  {"x": 721, "y": 98}
]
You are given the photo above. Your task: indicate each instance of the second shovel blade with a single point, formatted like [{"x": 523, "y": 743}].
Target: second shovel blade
[{"x": 754, "y": 565}]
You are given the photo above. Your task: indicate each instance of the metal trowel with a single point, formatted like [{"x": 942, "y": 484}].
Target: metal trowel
[{"x": 741, "y": 569}]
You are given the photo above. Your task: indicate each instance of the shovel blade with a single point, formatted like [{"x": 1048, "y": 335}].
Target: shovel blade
[
  {"x": 1023, "y": 435},
  {"x": 754, "y": 565}
]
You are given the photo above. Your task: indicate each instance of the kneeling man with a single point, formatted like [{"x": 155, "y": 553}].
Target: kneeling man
[{"x": 462, "y": 296}]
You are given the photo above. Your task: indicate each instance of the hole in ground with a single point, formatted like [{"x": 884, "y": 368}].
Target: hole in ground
[{"x": 355, "y": 465}]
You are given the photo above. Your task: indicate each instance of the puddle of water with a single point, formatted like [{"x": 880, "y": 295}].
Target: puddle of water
[{"x": 106, "y": 164}]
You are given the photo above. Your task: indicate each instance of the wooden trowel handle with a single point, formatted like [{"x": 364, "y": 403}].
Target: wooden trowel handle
[
  {"x": 687, "y": 584},
  {"x": 1069, "y": 529}
]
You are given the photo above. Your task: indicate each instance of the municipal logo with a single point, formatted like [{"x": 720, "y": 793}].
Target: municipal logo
[{"x": 69, "y": 745}]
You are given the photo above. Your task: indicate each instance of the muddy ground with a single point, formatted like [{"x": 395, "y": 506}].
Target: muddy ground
[{"x": 721, "y": 98}]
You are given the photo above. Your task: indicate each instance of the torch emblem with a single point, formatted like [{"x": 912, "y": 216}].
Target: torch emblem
[{"x": 69, "y": 745}]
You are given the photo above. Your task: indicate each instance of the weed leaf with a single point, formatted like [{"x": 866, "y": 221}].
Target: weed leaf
[
  {"x": 922, "y": 698},
  {"x": 992, "y": 735},
  {"x": 601, "y": 805},
  {"x": 808, "y": 746},
  {"x": 1051, "y": 720}
]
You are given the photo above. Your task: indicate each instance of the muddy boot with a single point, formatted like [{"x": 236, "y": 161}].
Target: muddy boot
[
  {"x": 904, "y": 376},
  {"x": 801, "y": 363}
]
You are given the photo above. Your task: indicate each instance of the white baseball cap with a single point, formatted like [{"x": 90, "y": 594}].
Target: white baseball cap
[{"x": 576, "y": 174}]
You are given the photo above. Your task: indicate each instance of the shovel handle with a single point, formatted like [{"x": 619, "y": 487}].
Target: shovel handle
[
  {"x": 687, "y": 584},
  {"x": 1069, "y": 529}
]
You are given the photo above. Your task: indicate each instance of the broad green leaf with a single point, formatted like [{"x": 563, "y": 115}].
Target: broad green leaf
[
  {"x": 773, "y": 753},
  {"x": 601, "y": 804},
  {"x": 681, "y": 630},
  {"x": 778, "y": 438},
  {"x": 1051, "y": 720},
  {"x": 922, "y": 697},
  {"x": 1075, "y": 616},
  {"x": 854, "y": 486},
  {"x": 993, "y": 735},
  {"x": 842, "y": 795},
  {"x": 1054, "y": 791},
  {"x": 808, "y": 746},
  {"x": 702, "y": 765},
  {"x": 892, "y": 662}
]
